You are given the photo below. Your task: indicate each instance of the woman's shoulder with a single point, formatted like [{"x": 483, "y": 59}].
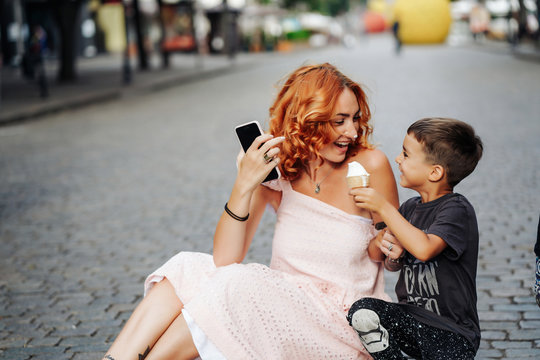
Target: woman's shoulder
[
  {"x": 271, "y": 192},
  {"x": 371, "y": 159},
  {"x": 275, "y": 185}
]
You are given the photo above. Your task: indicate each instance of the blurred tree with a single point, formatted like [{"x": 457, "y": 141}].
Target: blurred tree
[
  {"x": 141, "y": 51},
  {"x": 66, "y": 14}
]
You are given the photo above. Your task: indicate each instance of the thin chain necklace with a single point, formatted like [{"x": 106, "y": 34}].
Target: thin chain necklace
[{"x": 318, "y": 185}]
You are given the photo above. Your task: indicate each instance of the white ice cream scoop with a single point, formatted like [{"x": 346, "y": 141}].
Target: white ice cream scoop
[{"x": 357, "y": 176}]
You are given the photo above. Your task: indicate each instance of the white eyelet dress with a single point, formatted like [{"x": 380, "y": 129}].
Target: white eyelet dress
[{"x": 297, "y": 307}]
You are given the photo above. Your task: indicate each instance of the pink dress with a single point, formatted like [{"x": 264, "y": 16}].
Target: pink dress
[{"x": 296, "y": 308}]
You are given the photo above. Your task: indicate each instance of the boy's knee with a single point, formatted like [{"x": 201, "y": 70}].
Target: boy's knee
[
  {"x": 368, "y": 325},
  {"x": 365, "y": 303}
]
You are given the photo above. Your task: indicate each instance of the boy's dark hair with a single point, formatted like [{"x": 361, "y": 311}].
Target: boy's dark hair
[{"x": 450, "y": 143}]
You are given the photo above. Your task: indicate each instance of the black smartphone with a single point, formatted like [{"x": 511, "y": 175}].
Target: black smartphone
[{"x": 246, "y": 134}]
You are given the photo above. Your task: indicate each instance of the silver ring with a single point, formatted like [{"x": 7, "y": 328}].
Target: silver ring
[
  {"x": 390, "y": 247},
  {"x": 267, "y": 158}
]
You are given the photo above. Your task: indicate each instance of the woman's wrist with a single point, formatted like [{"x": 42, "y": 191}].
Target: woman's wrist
[
  {"x": 393, "y": 264},
  {"x": 242, "y": 189}
]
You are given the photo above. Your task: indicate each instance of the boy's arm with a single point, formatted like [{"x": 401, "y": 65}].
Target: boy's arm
[
  {"x": 383, "y": 181},
  {"x": 421, "y": 245}
]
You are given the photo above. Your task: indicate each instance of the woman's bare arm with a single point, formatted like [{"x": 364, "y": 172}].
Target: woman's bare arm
[{"x": 233, "y": 237}]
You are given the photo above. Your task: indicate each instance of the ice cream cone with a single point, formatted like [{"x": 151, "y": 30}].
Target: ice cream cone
[{"x": 358, "y": 181}]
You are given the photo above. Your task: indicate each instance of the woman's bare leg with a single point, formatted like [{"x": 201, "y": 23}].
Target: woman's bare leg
[
  {"x": 151, "y": 318},
  {"x": 176, "y": 343}
]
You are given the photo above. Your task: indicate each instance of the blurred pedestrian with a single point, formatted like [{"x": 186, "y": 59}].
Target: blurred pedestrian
[
  {"x": 397, "y": 13},
  {"x": 479, "y": 19},
  {"x": 33, "y": 64},
  {"x": 215, "y": 307},
  {"x": 537, "y": 275},
  {"x": 395, "y": 31},
  {"x": 433, "y": 240}
]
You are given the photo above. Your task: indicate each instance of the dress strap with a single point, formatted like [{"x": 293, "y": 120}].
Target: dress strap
[{"x": 276, "y": 185}]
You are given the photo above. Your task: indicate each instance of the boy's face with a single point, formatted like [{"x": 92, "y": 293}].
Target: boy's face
[{"x": 412, "y": 163}]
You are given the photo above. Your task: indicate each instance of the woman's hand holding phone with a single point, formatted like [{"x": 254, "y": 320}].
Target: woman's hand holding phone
[
  {"x": 253, "y": 166},
  {"x": 247, "y": 133}
]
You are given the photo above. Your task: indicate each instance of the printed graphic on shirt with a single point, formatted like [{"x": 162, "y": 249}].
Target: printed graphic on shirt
[{"x": 421, "y": 285}]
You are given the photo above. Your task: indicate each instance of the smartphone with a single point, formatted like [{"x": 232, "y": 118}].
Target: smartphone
[{"x": 246, "y": 134}]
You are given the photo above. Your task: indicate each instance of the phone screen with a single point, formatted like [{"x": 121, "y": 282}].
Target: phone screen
[{"x": 246, "y": 134}]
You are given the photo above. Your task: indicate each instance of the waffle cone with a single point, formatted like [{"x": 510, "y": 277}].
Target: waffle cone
[{"x": 358, "y": 181}]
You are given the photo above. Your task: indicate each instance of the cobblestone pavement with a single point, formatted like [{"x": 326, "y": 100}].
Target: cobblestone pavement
[{"x": 92, "y": 200}]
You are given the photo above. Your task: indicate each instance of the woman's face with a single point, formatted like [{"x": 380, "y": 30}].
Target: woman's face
[{"x": 345, "y": 122}]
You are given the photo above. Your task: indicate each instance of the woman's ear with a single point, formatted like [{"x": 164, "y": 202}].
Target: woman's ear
[{"x": 437, "y": 173}]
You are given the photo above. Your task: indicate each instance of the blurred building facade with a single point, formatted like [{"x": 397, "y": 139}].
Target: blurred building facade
[
  {"x": 106, "y": 26},
  {"x": 63, "y": 30},
  {"x": 161, "y": 26}
]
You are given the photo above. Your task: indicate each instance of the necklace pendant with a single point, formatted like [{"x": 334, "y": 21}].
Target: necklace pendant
[{"x": 317, "y": 189}]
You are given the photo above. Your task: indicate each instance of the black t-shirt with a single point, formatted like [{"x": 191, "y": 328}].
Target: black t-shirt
[{"x": 442, "y": 291}]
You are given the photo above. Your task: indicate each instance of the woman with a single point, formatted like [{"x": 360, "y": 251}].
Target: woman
[{"x": 215, "y": 307}]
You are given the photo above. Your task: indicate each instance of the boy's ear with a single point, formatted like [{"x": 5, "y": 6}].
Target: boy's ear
[{"x": 437, "y": 173}]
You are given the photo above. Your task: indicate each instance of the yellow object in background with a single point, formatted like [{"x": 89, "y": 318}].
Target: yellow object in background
[
  {"x": 378, "y": 6},
  {"x": 422, "y": 21},
  {"x": 110, "y": 18},
  {"x": 381, "y": 7}
]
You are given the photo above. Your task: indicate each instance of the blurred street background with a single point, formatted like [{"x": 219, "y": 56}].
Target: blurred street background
[{"x": 117, "y": 148}]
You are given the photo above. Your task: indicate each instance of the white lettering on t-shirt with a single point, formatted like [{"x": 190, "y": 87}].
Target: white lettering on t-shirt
[{"x": 422, "y": 285}]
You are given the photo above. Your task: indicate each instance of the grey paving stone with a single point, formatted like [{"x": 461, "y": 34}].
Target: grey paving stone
[
  {"x": 526, "y": 334},
  {"x": 512, "y": 344},
  {"x": 523, "y": 353},
  {"x": 484, "y": 299},
  {"x": 498, "y": 316},
  {"x": 505, "y": 292},
  {"x": 72, "y": 341},
  {"x": 526, "y": 299},
  {"x": 496, "y": 325},
  {"x": 64, "y": 356},
  {"x": 26, "y": 352},
  {"x": 489, "y": 354},
  {"x": 110, "y": 332},
  {"x": 44, "y": 341},
  {"x": 14, "y": 355},
  {"x": 515, "y": 307},
  {"x": 74, "y": 331},
  {"x": 88, "y": 355},
  {"x": 494, "y": 335},
  {"x": 532, "y": 315},
  {"x": 527, "y": 324},
  {"x": 90, "y": 348}
]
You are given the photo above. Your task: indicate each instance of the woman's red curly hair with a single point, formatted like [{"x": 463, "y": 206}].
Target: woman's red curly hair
[{"x": 302, "y": 112}]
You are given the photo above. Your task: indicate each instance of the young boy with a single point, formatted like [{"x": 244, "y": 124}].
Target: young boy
[{"x": 433, "y": 240}]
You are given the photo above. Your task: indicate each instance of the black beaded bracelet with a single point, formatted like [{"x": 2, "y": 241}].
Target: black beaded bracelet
[
  {"x": 380, "y": 225},
  {"x": 234, "y": 216}
]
